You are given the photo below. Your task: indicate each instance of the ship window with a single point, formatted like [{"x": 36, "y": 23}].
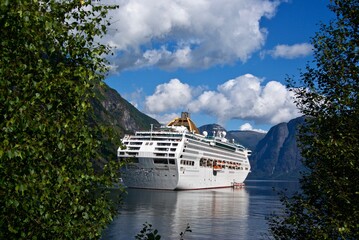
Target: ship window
[
  {"x": 160, "y": 161},
  {"x": 174, "y": 144},
  {"x": 163, "y": 144},
  {"x": 186, "y": 162},
  {"x": 161, "y": 149},
  {"x": 173, "y": 149},
  {"x": 172, "y": 161},
  {"x": 160, "y": 154},
  {"x": 133, "y": 148}
]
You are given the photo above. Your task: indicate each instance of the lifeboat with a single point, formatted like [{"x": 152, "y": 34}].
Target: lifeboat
[{"x": 217, "y": 168}]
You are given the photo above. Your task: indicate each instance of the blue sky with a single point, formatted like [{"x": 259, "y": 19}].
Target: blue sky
[{"x": 224, "y": 61}]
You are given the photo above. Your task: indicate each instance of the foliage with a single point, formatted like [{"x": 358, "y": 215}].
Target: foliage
[
  {"x": 188, "y": 229},
  {"x": 328, "y": 205},
  {"x": 148, "y": 233},
  {"x": 49, "y": 63}
]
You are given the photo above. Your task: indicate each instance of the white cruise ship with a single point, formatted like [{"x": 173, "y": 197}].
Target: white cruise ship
[{"x": 178, "y": 157}]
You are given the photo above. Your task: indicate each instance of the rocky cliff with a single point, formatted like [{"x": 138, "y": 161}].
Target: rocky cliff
[{"x": 277, "y": 154}]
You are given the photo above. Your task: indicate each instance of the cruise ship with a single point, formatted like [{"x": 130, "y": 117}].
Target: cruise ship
[{"x": 178, "y": 157}]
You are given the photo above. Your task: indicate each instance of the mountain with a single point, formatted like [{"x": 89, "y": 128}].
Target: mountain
[
  {"x": 114, "y": 112},
  {"x": 247, "y": 138},
  {"x": 277, "y": 155},
  {"x": 210, "y": 128}
]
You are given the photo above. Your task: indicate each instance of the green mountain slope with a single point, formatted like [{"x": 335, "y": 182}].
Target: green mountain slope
[{"x": 114, "y": 112}]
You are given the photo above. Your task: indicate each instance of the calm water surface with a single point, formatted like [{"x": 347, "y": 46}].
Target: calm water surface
[{"x": 212, "y": 214}]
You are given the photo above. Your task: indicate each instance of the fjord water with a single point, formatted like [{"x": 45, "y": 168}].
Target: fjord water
[{"x": 212, "y": 214}]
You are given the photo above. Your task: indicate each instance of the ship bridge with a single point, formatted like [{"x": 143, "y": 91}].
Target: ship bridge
[{"x": 185, "y": 121}]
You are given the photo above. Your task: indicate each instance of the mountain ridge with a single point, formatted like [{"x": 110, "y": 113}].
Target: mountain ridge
[{"x": 277, "y": 155}]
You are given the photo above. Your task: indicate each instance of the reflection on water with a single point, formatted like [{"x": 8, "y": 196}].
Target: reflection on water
[{"x": 212, "y": 214}]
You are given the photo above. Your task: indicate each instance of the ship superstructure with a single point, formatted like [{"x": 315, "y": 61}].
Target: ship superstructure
[{"x": 178, "y": 157}]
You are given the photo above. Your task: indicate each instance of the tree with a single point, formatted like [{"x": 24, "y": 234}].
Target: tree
[
  {"x": 328, "y": 205},
  {"x": 49, "y": 63}
]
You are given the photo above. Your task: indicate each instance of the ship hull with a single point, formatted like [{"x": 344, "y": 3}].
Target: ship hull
[
  {"x": 149, "y": 176},
  {"x": 180, "y": 177},
  {"x": 204, "y": 178}
]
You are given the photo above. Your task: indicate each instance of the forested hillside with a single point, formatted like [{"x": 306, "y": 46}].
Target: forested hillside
[{"x": 119, "y": 116}]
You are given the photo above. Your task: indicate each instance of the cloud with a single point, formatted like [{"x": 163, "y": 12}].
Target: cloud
[
  {"x": 247, "y": 99},
  {"x": 289, "y": 52},
  {"x": 164, "y": 119},
  {"x": 168, "y": 96},
  {"x": 187, "y": 34},
  {"x": 249, "y": 127},
  {"x": 244, "y": 97}
]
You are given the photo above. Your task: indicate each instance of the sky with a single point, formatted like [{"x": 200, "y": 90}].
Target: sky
[{"x": 223, "y": 61}]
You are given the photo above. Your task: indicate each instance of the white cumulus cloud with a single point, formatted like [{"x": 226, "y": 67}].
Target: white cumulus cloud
[
  {"x": 187, "y": 33},
  {"x": 249, "y": 127},
  {"x": 245, "y": 98},
  {"x": 290, "y": 52},
  {"x": 168, "y": 96}
]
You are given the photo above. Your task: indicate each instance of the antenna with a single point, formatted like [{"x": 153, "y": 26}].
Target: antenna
[{"x": 151, "y": 131}]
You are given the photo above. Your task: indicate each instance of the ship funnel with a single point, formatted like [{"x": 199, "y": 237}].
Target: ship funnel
[{"x": 185, "y": 121}]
